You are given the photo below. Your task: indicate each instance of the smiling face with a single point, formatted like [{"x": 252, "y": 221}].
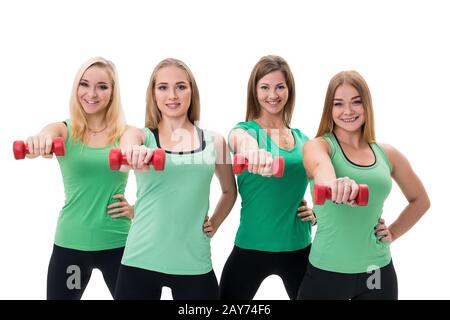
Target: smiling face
[
  {"x": 348, "y": 109},
  {"x": 272, "y": 93},
  {"x": 172, "y": 92},
  {"x": 95, "y": 90}
]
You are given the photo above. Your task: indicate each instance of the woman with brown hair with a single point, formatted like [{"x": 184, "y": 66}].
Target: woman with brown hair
[{"x": 274, "y": 234}]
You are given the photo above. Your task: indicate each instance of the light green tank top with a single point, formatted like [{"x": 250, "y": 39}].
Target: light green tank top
[
  {"x": 345, "y": 240},
  {"x": 89, "y": 186},
  {"x": 269, "y": 220},
  {"x": 167, "y": 232}
]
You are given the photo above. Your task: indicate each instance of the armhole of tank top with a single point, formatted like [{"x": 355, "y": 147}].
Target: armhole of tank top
[
  {"x": 383, "y": 155},
  {"x": 208, "y": 142},
  {"x": 228, "y": 142},
  {"x": 68, "y": 125},
  {"x": 150, "y": 139},
  {"x": 204, "y": 137},
  {"x": 329, "y": 139}
]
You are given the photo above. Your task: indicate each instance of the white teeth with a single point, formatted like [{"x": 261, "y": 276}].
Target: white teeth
[
  {"x": 349, "y": 120},
  {"x": 272, "y": 102},
  {"x": 91, "y": 102}
]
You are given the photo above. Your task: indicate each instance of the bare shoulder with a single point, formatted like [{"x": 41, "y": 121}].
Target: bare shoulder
[
  {"x": 57, "y": 129},
  {"x": 133, "y": 133},
  {"x": 134, "y": 130},
  {"x": 238, "y": 132},
  {"x": 396, "y": 158},
  {"x": 390, "y": 151},
  {"x": 316, "y": 145}
]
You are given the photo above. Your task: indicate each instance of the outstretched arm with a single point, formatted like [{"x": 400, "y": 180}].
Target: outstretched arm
[{"x": 41, "y": 143}]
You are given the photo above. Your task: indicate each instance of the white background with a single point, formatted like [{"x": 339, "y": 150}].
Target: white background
[{"x": 400, "y": 47}]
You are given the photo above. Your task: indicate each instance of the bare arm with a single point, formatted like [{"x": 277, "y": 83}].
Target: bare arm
[
  {"x": 225, "y": 175},
  {"x": 317, "y": 162},
  {"x": 412, "y": 188},
  {"x": 260, "y": 161},
  {"x": 138, "y": 155},
  {"x": 131, "y": 136},
  {"x": 318, "y": 165},
  {"x": 242, "y": 142},
  {"x": 41, "y": 143}
]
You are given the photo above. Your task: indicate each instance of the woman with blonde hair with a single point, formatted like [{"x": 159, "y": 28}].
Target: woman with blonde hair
[
  {"x": 348, "y": 260},
  {"x": 169, "y": 241},
  {"x": 94, "y": 221}
]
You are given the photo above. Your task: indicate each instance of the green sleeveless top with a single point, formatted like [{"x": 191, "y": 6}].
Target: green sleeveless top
[
  {"x": 167, "y": 232},
  {"x": 269, "y": 220},
  {"x": 89, "y": 186},
  {"x": 345, "y": 240}
]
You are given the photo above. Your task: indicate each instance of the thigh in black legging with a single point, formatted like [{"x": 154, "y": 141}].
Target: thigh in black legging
[
  {"x": 291, "y": 269},
  {"x": 326, "y": 285},
  {"x": 69, "y": 272},
  {"x": 108, "y": 262},
  {"x": 194, "y": 287},
  {"x": 380, "y": 284},
  {"x": 138, "y": 284},
  {"x": 243, "y": 273}
]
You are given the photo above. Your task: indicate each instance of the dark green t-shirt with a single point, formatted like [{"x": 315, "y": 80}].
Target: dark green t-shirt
[{"x": 269, "y": 220}]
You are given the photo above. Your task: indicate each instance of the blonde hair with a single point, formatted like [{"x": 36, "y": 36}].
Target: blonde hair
[
  {"x": 266, "y": 65},
  {"x": 114, "y": 115},
  {"x": 152, "y": 114},
  {"x": 354, "y": 79}
]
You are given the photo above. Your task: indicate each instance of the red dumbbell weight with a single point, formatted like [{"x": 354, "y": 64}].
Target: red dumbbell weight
[
  {"x": 322, "y": 193},
  {"x": 20, "y": 149},
  {"x": 117, "y": 158},
  {"x": 240, "y": 164}
]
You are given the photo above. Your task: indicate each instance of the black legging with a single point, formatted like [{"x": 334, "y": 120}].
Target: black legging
[
  {"x": 326, "y": 285},
  {"x": 69, "y": 271},
  {"x": 246, "y": 269},
  {"x": 140, "y": 284}
]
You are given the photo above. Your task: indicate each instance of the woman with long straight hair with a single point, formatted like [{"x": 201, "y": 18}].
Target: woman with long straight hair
[{"x": 94, "y": 221}]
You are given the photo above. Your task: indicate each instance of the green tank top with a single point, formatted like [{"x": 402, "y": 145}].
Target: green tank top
[
  {"x": 345, "y": 240},
  {"x": 269, "y": 220},
  {"x": 89, "y": 186},
  {"x": 167, "y": 232}
]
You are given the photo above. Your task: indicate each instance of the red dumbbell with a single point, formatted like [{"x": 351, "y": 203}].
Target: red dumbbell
[
  {"x": 117, "y": 158},
  {"x": 240, "y": 164},
  {"x": 322, "y": 193},
  {"x": 20, "y": 149}
]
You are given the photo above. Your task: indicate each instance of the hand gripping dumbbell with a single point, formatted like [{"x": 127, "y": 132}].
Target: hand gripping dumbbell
[
  {"x": 240, "y": 164},
  {"x": 20, "y": 149},
  {"x": 322, "y": 193},
  {"x": 117, "y": 158}
]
